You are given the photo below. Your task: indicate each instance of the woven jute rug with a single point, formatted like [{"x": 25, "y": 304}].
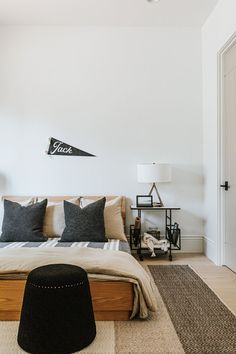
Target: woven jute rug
[
  {"x": 178, "y": 290},
  {"x": 203, "y": 323}
]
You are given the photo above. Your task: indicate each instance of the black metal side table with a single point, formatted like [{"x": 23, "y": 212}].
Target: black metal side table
[{"x": 169, "y": 225}]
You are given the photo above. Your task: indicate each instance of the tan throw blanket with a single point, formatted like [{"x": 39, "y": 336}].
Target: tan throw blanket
[{"x": 100, "y": 264}]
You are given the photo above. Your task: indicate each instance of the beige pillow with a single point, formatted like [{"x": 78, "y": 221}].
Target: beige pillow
[
  {"x": 54, "y": 220},
  {"x": 114, "y": 227},
  {"x": 26, "y": 202}
]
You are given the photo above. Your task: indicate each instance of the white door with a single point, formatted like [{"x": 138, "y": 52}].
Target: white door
[{"x": 229, "y": 156}]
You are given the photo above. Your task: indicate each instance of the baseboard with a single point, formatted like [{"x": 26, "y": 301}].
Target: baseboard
[
  {"x": 191, "y": 244},
  {"x": 210, "y": 249}
]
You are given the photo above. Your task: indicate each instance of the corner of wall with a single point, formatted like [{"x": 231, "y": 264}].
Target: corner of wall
[{"x": 210, "y": 249}]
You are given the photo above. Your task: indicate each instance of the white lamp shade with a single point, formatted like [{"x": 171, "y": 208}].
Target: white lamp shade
[{"x": 153, "y": 172}]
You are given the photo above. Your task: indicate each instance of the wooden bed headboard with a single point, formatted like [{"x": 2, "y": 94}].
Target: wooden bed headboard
[{"x": 58, "y": 199}]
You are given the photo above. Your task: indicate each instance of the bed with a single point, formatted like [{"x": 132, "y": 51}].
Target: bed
[{"x": 120, "y": 288}]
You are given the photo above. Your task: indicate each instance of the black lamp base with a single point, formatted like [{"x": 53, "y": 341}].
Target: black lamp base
[{"x": 159, "y": 203}]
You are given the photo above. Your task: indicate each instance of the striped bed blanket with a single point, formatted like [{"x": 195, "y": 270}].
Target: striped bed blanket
[{"x": 113, "y": 245}]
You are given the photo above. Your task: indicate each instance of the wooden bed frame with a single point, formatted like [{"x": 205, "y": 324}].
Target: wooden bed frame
[{"x": 112, "y": 300}]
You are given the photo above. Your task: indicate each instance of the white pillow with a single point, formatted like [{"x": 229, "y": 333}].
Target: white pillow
[
  {"x": 114, "y": 227},
  {"x": 54, "y": 220},
  {"x": 23, "y": 203}
]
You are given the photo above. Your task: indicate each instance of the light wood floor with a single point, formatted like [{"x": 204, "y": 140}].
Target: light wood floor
[{"x": 220, "y": 279}]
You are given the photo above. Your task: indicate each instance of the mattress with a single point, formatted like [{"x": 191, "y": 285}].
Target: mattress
[{"x": 113, "y": 245}]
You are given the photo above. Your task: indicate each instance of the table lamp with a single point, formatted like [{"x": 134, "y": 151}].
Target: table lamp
[{"x": 154, "y": 173}]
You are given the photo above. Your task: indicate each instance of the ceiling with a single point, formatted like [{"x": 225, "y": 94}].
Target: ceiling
[{"x": 105, "y": 12}]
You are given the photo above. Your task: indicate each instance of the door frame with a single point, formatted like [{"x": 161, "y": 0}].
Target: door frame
[{"x": 220, "y": 257}]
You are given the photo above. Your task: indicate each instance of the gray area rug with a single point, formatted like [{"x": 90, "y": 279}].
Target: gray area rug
[{"x": 203, "y": 323}]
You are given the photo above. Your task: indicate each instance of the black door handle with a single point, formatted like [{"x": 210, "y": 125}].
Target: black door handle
[{"x": 225, "y": 186}]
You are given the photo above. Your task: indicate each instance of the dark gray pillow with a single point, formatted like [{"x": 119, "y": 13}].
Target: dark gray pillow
[
  {"x": 84, "y": 224},
  {"x": 23, "y": 223}
]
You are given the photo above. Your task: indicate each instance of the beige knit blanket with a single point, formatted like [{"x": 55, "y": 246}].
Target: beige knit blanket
[{"x": 99, "y": 264}]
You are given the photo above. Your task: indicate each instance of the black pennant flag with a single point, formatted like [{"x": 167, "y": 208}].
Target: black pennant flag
[{"x": 57, "y": 147}]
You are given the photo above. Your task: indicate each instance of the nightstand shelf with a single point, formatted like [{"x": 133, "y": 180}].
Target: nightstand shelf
[{"x": 169, "y": 227}]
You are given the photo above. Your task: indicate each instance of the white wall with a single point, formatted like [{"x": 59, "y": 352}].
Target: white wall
[
  {"x": 127, "y": 95},
  {"x": 219, "y": 27}
]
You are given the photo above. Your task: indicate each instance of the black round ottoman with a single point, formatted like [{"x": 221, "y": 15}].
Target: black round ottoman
[{"x": 57, "y": 314}]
